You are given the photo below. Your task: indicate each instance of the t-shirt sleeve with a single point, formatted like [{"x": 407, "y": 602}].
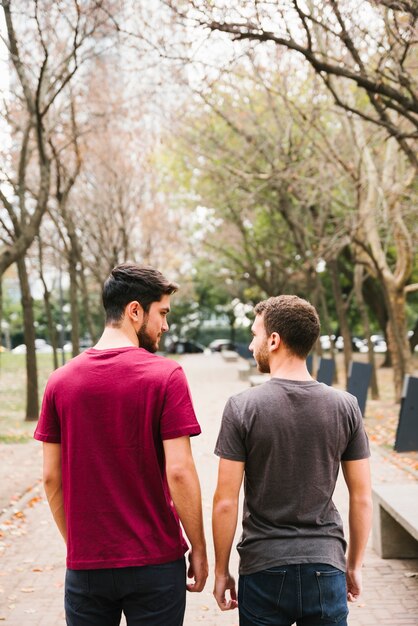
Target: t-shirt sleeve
[
  {"x": 358, "y": 443},
  {"x": 48, "y": 428},
  {"x": 231, "y": 440},
  {"x": 178, "y": 418}
]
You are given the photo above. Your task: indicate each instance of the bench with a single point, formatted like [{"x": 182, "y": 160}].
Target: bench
[
  {"x": 395, "y": 520},
  {"x": 247, "y": 369},
  {"x": 244, "y": 371},
  {"x": 229, "y": 356}
]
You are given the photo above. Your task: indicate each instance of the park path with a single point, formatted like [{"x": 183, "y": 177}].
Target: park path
[{"x": 32, "y": 553}]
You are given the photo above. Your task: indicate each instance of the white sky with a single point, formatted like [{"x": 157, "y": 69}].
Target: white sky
[
  {"x": 4, "y": 70},
  {"x": 4, "y": 82}
]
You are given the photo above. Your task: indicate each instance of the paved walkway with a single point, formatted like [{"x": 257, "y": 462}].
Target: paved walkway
[{"x": 32, "y": 553}]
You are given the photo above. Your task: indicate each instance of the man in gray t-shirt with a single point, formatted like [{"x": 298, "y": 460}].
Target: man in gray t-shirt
[{"x": 287, "y": 439}]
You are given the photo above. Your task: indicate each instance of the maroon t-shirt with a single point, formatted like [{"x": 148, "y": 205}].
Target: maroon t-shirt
[{"x": 110, "y": 410}]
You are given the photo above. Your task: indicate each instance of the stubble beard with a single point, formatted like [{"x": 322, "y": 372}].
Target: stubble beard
[
  {"x": 262, "y": 360},
  {"x": 145, "y": 341}
]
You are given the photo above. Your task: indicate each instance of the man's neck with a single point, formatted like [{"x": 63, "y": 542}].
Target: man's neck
[
  {"x": 290, "y": 368},
  {"x": 113, "y": 337}
]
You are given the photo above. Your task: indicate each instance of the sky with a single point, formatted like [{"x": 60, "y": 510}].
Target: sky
[{"x": 4, "y": 75}]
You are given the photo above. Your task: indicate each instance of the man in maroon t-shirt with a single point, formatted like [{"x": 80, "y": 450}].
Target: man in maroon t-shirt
[{"x": 119, "y": 474}]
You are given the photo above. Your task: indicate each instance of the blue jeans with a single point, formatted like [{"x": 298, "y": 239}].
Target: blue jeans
[
  {"x": 311, "y": 594},
  {"x": 153, "y": 595}
]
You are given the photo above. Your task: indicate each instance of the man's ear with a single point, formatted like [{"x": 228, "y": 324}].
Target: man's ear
[
  {"x": 274, "y": 342},
  {"x": 134, "y": 311}
]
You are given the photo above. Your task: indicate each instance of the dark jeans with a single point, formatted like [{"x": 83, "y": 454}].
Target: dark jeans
[
  {"x": 311, "y": 594},
  {"x": 153, "y": 595}
]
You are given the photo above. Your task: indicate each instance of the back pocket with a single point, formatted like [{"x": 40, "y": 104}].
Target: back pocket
[
  {"x": 332, "y": 595},
  {"x": 261, "y": 592}
]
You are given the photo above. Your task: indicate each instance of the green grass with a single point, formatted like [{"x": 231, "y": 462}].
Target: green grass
[{"x": 13, "y": 427}]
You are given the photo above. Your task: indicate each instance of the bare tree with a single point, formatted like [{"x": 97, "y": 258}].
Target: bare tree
[
  {"x": 369, "y": 44},
  {"x": 48, "y": 43}
]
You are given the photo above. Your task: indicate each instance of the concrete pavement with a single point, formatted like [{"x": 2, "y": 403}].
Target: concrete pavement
[{"x": 32, "y": 553}]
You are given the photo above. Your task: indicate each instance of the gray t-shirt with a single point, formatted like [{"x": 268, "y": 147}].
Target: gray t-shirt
[{"x": 292, "y": 436}]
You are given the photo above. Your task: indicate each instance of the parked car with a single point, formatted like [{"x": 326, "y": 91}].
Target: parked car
[
  {"x": 184, "y": 346},
  {"x": 41, "y": 346},
  {"x": 20, "y": 349},
  {"x": 217, "y": 345},
  {"x": 356, "y": 343},
  {"x": 379, "y": 344},
  {"x": 325, "y": 342}
]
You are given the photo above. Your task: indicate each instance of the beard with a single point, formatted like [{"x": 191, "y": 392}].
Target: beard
[
  {"x": 262, "y": 360},
  {"x": 145, "y": 340}
]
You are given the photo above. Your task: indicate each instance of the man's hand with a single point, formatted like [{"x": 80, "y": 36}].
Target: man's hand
[
  {"x": 354, "y": 584},
  {"x": 198, "y": 569},
  {"x": 222, "y": 584}
]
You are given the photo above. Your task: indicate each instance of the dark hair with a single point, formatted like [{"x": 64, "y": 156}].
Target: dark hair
[
  {"x": 294, "y": 319},
  {"x": 128, "y": 282}
]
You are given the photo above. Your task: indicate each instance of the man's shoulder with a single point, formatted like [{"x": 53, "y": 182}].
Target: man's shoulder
[
  {"x": 338, "y": 395},
  {"x": 64, "y": 372},
  {"x": 158, "y": 361},
  {"x": 278, "y": 386},
  {"x": 156, "y": 367},
  {"x": 249, "y": 396}
]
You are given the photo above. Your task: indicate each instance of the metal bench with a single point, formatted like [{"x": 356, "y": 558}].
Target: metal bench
[{"x": 395, "y": 520}]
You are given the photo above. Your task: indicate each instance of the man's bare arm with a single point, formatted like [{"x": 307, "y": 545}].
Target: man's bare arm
[
  {"x": 184, "y": 488},
  {"x": 224, "y": 523},
  {"x": 357, "y": 477},
  {"x": 52, "y": 479}
]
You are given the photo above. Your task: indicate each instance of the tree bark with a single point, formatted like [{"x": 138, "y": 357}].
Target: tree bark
[
  {"x": 383, "y": 191},
  {"x": 398, "y": 337},
  {"x": 75, "y": 323},
  {"x": 52, "y": 333},
  {"x": 86, "y": 304},
  {"x": 32, "y": 401},
  {"x": 341, "y": 309},
  {"x": 358, "y": 288}
]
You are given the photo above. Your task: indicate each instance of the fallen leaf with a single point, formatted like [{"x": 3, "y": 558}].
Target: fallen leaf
[{"x": 34, "y": 501}]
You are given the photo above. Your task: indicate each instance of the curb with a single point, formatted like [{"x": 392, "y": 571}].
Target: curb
[
  {"x": 22, "y": 501},
  {"x": 379, "y": 451}
]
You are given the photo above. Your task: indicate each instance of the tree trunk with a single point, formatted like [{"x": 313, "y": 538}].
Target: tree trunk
[
  {"x": 1, "y": 311},
  {"x": 86, "y": 304},
  {"x": 413, "y": 340},
  {"x": 75, "y": 323},
  {"x": 52, "y": 332},
  {"x": 358, "y": 288},
  {"x": 51, "y": 325},
  {"x": 397, "y": 334},
  {"x": 328, "y": 329},
  {"x": 341, "y": 314},
  {"x": 374, "y": 298},
  {"x": 384, "y": 189},
  {"x": 32, "y": 402}
]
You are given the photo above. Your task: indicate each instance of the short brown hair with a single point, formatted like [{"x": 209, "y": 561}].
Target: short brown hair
[
  {"x": 128, "y": 282},
  {"x": 294, "y": 319}
]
